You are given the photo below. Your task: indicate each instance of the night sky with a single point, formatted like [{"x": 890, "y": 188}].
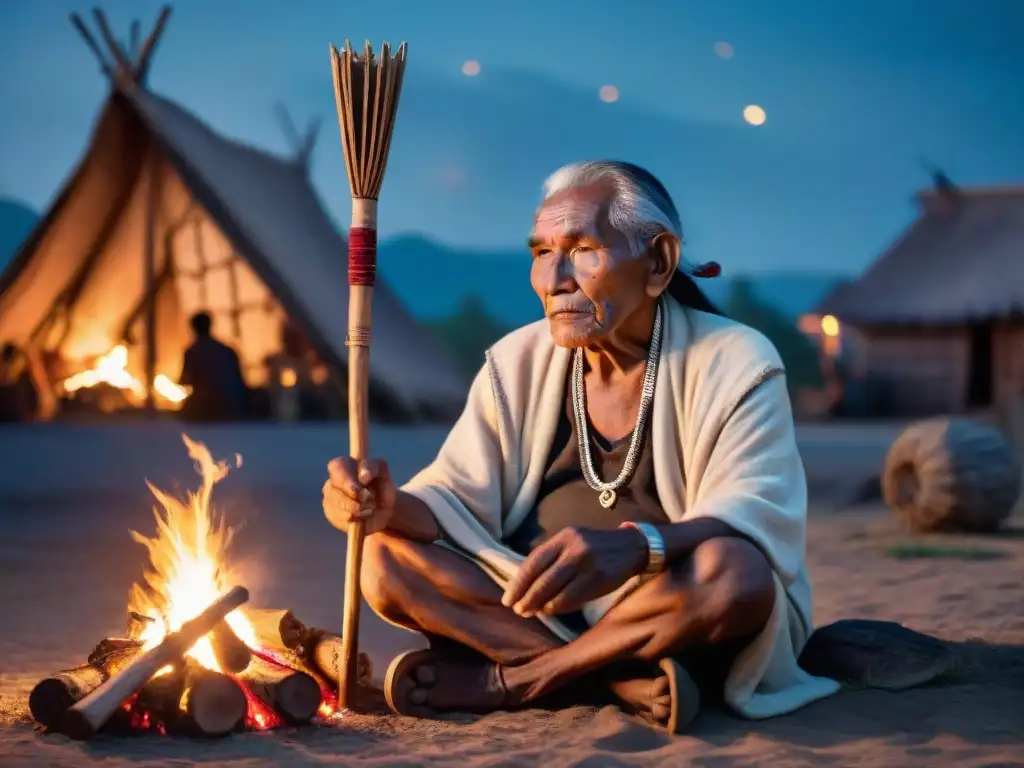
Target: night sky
[{"x": 856, "y": 94}]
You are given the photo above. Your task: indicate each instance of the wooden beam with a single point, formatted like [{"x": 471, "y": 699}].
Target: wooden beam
[
  {"x": 149, "y": 273},
  {"x": 197, "y": 231},
  {"x": 203, "y": 271},
  {"x": 166, "y": 273},
  {"x": 79, "y": 25},
  {"x": 236, "y": 307},
  {"x": 124, "y": 65},
  {"x": 145, "y": 57},
  {"x": 140, "y": 307},
  {"x": 133, "y": 40},
  {"x": 49, "y": 405},
  {"x": 291, "y": 133},
  {"x": 309, "y": 140}
]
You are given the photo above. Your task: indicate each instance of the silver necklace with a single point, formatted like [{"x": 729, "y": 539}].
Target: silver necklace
[{"x": 608, "y": 492}]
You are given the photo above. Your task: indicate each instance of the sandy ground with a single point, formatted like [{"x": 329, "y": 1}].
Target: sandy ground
[{"x": 68, "y": 499}]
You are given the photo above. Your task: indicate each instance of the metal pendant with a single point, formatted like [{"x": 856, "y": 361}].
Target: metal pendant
[{"x": 607, "y": 498}]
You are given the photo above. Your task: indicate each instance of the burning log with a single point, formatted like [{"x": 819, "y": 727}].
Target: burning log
[
  {"x": 137, "y": 624},
  {"x": 158, "y": 703},
  {"x": 112, "y": 654},
  {"x": 211, "y": 704},
  {"x": 305, "y": 648},
  {"x": 232, "y": 654},
  {"x": 276, "y": 629},
  {"x": 189, "y": 699},
  {"x": 327, "y": 658},
  {"x": 292, "y": 694},
  {"x": 53, "y": 697},
  {"x": 90, "y": 713}
]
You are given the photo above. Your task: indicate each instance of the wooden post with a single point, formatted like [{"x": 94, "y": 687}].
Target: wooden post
[
  {"x": 49, "y": 405},
  {"x": 236, "y": 301},
  {"x": 149, "y": 262}
]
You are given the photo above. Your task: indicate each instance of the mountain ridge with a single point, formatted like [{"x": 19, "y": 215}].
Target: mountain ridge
[{"x": 431, "y": 279}]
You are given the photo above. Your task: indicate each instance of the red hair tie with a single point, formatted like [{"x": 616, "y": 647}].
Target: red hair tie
[{"x": 707, "y": 269}]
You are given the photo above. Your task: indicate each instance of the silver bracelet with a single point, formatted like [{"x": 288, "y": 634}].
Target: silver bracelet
[{"x": 655, "y": 546}]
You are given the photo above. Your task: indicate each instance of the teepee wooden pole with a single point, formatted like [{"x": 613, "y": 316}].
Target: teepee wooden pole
[
  {"x": 150, "y": 276},
  {"x": 366, "y": 90}
]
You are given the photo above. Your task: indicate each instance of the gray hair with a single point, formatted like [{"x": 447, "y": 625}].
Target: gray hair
[{"x": 641, "y": 206}]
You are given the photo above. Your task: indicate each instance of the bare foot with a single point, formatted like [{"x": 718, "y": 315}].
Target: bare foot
[
  {"x": 424, "y": 683},
  {"x": 667, "y": 697},
  {"x": 648, "y": 697}
]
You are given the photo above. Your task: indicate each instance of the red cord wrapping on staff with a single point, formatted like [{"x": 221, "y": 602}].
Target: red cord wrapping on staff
[{"x": 362, "y": 255}]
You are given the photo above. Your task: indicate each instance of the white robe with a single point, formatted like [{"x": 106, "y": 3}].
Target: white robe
[{"x": 723, "y": 445}]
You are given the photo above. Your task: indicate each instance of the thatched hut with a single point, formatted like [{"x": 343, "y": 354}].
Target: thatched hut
[{"x": 940, "y": 315}]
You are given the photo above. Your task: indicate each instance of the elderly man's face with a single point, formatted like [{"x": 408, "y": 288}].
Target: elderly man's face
[{"x": 584, "y": 270}]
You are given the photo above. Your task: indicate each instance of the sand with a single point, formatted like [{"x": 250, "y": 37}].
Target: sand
[{"x": 67, "y": 563}]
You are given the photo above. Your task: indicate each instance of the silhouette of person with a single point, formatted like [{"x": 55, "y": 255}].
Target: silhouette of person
[
  {"x": 18, "y": 396},
  {"x": 213, "y": 372}
]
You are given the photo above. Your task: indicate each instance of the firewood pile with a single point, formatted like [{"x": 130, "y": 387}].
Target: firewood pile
[{"x": 289, "y": 678}]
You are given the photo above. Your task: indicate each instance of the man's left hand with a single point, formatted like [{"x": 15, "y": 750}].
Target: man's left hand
[{"x": 573, "y": 567}]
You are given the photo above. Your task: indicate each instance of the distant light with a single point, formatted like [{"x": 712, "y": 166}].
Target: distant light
[
  {"x": 723, "y": 50},
  {"x": 608, "y": 94},
  {"x": 471, "y": 68},
  {"x": 754, "y": 115},
  {"x": 830, "y": 325}
]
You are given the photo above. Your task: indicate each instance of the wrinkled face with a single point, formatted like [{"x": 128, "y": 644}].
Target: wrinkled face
[{"x": 584, "y": 270}]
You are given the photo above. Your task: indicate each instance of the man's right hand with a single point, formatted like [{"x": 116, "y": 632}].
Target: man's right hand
[{"x": 359, "y": 491}]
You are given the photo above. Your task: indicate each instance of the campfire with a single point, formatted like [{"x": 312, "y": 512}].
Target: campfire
[
  {"x": 193, "y": 661},
  {"x": 111, "y": 370}
]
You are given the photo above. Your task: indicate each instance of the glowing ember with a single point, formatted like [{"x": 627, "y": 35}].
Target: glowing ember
[
  {"x": 188, "y": 559},
  {"x": 112, "y": 369}
]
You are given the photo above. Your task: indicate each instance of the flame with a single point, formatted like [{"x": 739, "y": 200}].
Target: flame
[
  {"x": 189, "y": 566},
  {"x": 112, "y": 369},
  {"x": 168, "y": 390}
]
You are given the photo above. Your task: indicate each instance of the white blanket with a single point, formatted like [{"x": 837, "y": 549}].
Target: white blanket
[{"x": 724, "y": 446}]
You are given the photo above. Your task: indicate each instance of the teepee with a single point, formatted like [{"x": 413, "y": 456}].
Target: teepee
[{"x": 162, "y": 218}]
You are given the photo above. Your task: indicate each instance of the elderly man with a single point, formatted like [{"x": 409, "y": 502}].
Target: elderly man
[{"x": 621, "y": 503}]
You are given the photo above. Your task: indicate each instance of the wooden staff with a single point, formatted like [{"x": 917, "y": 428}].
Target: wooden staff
[
  {"x": 87, "y": 716},
  {"x": 366, "y": 90}
]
